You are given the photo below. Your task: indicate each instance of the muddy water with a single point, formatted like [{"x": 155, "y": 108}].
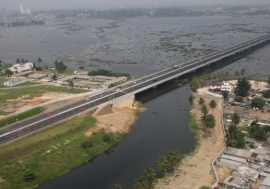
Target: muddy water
[{"x": 151, "y": 136}]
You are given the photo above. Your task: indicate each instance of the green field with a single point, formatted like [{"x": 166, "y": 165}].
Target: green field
[
  {"x": 39, "y": 157},
  {"x": 21, "y": 116},
  {"x": 35, "y": 91}
]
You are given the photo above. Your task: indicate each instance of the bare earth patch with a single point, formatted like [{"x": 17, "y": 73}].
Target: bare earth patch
[
  {"x": 196, "y": 170},
  {"x": 120, "y": 120}
]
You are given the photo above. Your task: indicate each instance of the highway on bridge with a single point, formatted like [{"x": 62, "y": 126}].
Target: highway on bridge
[{"x": 22, "y": 128}]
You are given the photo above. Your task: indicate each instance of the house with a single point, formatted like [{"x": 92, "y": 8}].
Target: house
[
  {"x": 80, "y": 73},
  {"x": 18, "y": 68},
  {"x": 216, "y": 86},
  {"x": 242, "y": 177},
  {"x": 114, "y": 81},
  {"x": 103, "y": 78},
  {"x": 221, "y": 86},
  {"x": 15, "y": 81},
  {"x": 66, "y": 79}
]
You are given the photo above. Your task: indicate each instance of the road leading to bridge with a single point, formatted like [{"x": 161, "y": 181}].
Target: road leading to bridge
[{"x": 31, "y": 125}]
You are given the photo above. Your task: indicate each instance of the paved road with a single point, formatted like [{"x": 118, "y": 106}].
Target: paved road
[{"x": 23, "y": 128}]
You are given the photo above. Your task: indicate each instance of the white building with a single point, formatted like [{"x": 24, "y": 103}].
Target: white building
[
  {"x": 21, "y": 67},
  {"x": 21, "y": 9},
  {"x": 226, "y": 86},
  {"x": 221, "y": 86},
  {"x": 15, "y": 81}
]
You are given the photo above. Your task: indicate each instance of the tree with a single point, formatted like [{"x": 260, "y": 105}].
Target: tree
[
  {"x": 201, "y": 101},
  {"x": 258, "y": 103},
  {"x": 71, "y": 84},
  {"x": 22, "y": 60},
  {"x": 39, "y": 60},
  {"x": 149, "y": 175},
  {"x": 210, "y": 121},
  {"x": 18, "y": 60},
  {"x": 139, "y": 183},
  {"x": 242, "y": 72},
  {"x": 235, "y": 138},
  {"x": 38, "y": 68},
  {"x": 60, "y": 67},
  {"x": 193, "y": 85},
  {"x": 81, "y": 67},
  {"x": 235, "y": 119},
  {"x": 257, "y": 131},
  {"x": 204, "y": 109},
  {"x": 204, "y": 187},
  {"x": 8, "y": 72},
  {"x": 34, "y": 65},
  {"x": 117, "y": 186},
  {"x": 243, "y": 86},
  {"x": 162, "y": 163},
  {"x": 54, "y": 77},
  {"x": 212, "y": 105},
  {"x": 225, "y": 94},
  {"x": 267, "y": 94},
  {"x": 236, "y": 74},
  {"x": 238, "y": 99}
]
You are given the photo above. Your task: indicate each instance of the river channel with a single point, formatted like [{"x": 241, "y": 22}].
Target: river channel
[{"x": 151, "y": 136}]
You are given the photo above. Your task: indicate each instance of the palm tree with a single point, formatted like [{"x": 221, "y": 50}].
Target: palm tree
[
  {"x": 71, "y": 84},
  {"x": 139, "y": 183},
  {"x": 236, "y": 74},
  {"x": 235, "y": 119},
  {"x": 22, "y": 60},
  {"x": 204, "y": 109},
  {"x": 149, "y": 174},
  {"x": 162, "y": 163},
  {"x": 173, "y": 158},
  {"x": 210, "y": 121},
  {"x": 193, "y": 85},
  {"x": 212, "y": 105},
  {"x": 201, "y": 101},
  {"x": 39, "y": 60},
  {"x": 117, "y": 186},
  {"x": 18, "y": 60},
  {"x": 242, "y": 72},
  {"x": 203, "y": 120}
]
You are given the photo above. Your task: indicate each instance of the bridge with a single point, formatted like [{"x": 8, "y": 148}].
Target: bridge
[{"x": 23, "y": 128}]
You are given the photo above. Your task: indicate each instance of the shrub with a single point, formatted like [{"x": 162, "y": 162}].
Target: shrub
[
  {"x": 258, "y": 103},
  {"x": 238, "y": 99}
]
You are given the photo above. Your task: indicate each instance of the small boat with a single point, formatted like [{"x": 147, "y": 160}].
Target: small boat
[{"x": 155, "y": 112}]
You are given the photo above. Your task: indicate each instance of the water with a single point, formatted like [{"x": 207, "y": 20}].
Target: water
[
  {"x": 151, "y": 136},
  {"x": 138, "y": 46}
]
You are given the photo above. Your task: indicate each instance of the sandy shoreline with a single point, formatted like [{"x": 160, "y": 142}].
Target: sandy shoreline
[{"x": 196, "y": 170}]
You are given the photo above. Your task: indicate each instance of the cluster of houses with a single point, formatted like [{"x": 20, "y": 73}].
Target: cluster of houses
[
  {"x": 80, "y": 79},
  {"x": 221, "y": 86},
  {"x": 251, "y": 167}
]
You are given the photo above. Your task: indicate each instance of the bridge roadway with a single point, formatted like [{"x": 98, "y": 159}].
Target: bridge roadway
[{"x": 22, "y": 128}]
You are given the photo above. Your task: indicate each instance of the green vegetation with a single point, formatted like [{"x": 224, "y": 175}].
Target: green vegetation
[
  {"x": 146, "y": 180},
  {"x": 267, "y": 94},
  {"x": 238, "y": 99},
  {"x": 20, "y": 116},
  {"x": 39, "y": 157},
  {"x": 258, "y": 103},
  {"x": 35, "y": 91},
  {"x": 107, "y": 73},
  {"x": 243, "y": 86},
  {"x": 235, "y": 138},
  {"x": 194, "y": 129},
  {"x": 60, "y": 66},
  {"x": 257, "y": 131}
]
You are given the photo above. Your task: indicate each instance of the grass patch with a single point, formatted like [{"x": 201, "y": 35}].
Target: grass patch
[
  {"x": 36, "y": 91},
  {"x": 195, "y": 130},
  {"x": 2, "y": 80},
  {"x": 47, "y": 154},
  {"x": 20, "y": 116}
]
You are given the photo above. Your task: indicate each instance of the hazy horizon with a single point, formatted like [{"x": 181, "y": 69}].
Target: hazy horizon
[{"x": 86, "y": 4}]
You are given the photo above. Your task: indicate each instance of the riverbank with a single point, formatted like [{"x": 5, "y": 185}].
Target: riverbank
[
  {"x": 37, "y": 158},
  {"x": 195, "y": 170}
]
